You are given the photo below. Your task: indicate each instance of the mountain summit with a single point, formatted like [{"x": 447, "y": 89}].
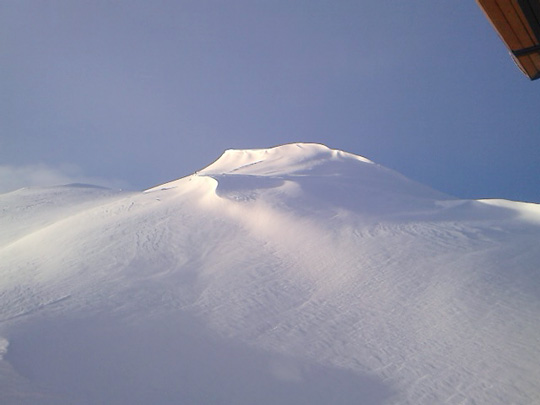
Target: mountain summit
[
  {"x": 291, "y": 275},
  {"x": 298, "y": 158},
  {"x": 311, "y": 172}
]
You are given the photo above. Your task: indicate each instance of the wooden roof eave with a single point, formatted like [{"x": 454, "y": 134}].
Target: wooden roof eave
[{"x": 517, "y": 23}]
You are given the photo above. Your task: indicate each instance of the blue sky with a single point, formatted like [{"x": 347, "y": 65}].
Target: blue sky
[{"x": 137, "y": 93}]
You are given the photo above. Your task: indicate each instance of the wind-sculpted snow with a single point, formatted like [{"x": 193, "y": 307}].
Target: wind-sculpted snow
[{"x": 292, "y": 275}]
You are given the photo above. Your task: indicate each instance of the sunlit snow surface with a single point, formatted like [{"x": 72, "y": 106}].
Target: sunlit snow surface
[{"x": 293, "y": 275}]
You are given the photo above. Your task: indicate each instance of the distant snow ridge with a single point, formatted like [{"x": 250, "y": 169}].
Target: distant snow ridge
[{"x": 292, "y": 275}]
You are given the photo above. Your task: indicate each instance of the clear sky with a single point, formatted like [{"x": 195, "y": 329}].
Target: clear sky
[{"x": 136, "y": 93}]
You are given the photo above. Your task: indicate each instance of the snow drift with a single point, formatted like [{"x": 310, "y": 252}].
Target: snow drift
[{"x": 297, "y": 274}]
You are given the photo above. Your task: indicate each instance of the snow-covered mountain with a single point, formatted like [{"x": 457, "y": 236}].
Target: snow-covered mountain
[{"x": 292, "y": 275}]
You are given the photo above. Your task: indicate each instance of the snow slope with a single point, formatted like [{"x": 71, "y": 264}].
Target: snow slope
[{"x": 292, "y": 275}]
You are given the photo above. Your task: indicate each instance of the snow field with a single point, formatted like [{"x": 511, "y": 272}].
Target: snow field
[{"x": 291, "y": 275}]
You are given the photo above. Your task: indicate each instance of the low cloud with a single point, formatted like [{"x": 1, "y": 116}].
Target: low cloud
[{"x": 16, "y": 177}]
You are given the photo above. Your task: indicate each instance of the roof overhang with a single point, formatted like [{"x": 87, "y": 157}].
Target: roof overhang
[{"x": 518, "y": 24}]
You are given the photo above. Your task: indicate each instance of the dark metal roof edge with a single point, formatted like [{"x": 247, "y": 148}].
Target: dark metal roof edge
[
  {"x": 531, "y": 10},
  {"x": 526, "y": 51}
]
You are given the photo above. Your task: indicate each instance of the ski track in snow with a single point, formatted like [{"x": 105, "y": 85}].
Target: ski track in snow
[{"x": 330, "y": 278}]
